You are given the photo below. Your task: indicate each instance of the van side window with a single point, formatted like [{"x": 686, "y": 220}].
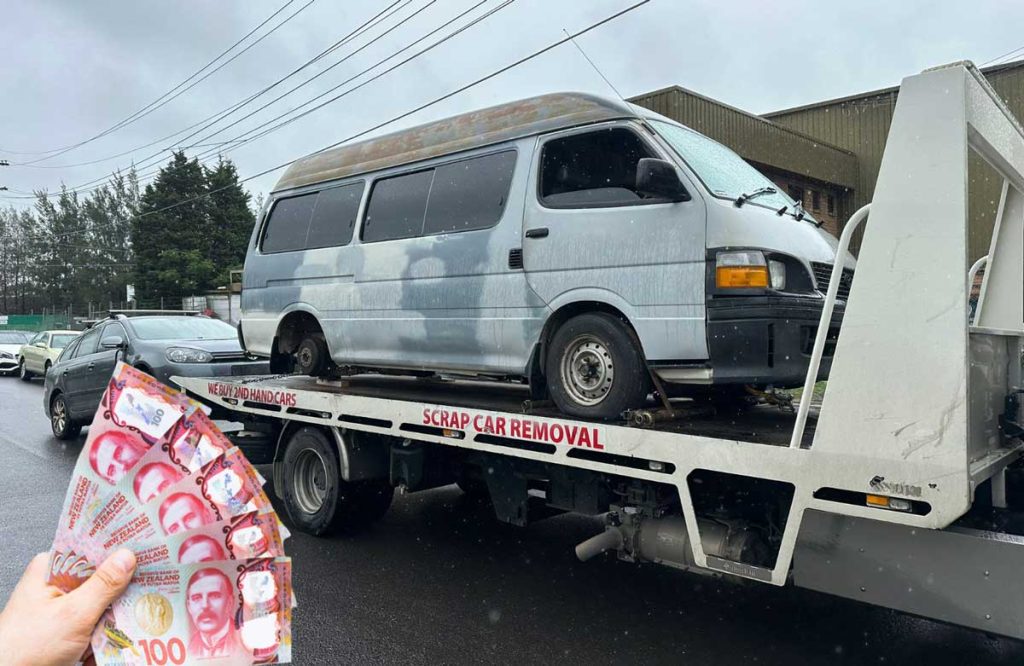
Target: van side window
[
  {"x": 592, "y": 170},
  {"x": 469, "y": 194},
  {"x": 334, "y": 217},
  {"x": 319, "y": 219},
  {"x": 288, "y": 224},
  {"x": 397, "y": 206}
]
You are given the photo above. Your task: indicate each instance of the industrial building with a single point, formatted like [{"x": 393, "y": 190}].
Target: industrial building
[{"x": 827, "y": 154}]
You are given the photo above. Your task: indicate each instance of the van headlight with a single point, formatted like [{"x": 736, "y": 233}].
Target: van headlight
[
  {"x": 746, "y": 269},
  {"x": 777, "y": 272},
  {"x": 187, "y": 355}
]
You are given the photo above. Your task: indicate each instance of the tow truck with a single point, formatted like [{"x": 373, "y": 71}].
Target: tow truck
[{"x": 902, "y": 490}]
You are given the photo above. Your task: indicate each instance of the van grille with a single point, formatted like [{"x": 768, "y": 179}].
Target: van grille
[{"x": 823, "y": 274}]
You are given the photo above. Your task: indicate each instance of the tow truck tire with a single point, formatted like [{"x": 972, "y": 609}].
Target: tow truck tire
[
  {"x": 594, "y": 368},
  {"x": 311, "y": 356},
  {"x": 317, "y": 499}
]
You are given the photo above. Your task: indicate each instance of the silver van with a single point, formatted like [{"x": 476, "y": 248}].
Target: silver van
[{"x": 574, "y": 242}]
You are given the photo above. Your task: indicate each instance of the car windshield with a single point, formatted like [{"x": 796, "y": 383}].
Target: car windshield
[
  {"x": 61, "y": 340},
  {"x": 182, "y": 328},
  {"x": 723, "y": 172},
  {"x": 13, "y": 338}
]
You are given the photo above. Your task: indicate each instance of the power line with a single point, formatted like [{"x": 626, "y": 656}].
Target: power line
[
  {"x": 223, "y": 113},
  {"x": 164, "y": 99},
  {"x": 241, "y": 139},
  {"x": 205, "y": 156},
  {"x": 1007, "y": 54},
  {"x": 415, "y": 110}
]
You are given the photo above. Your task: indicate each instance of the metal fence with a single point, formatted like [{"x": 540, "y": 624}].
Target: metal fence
[{"x": 33, "y": 322}]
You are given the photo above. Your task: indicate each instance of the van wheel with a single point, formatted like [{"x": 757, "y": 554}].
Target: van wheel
[
  {"x": 311, "y": 356},
  {"x": 594, "y": 368},
  {"x": 318, "y": 501}
]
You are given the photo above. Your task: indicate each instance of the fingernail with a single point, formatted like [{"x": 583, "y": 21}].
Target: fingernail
[{"x": 124, "y": 560}]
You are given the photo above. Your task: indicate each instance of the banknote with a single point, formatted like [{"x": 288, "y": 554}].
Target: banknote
[
  {"x": 225, "y": 488},
  {"x": 213, "y": 613},
  {"x": 135, "y": 413},
  {"x": 248, "y": 536}
]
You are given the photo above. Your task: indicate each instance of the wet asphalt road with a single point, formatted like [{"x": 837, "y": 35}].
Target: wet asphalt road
[{"x": 438, "y": 581}]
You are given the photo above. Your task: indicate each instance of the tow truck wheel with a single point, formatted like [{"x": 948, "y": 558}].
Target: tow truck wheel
[
  {"x": 594, "y": 368},
  {"x": 311, "y": 356},
  {"x": 317, "y": 499}
]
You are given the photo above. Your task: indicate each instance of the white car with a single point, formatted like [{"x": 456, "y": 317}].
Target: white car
[
  {"x": 10, "y": 346},
  {"x": 38, "y": 354}
]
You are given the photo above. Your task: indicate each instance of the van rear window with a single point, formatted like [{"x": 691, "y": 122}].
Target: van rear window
[
  {"x": 288, "y": 224},
  {"x": 319, "y": 219},
  {"x": 460, "y": 196}
]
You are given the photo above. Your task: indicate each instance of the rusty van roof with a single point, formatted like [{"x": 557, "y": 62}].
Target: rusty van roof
[{"x": 527, "y": 117}]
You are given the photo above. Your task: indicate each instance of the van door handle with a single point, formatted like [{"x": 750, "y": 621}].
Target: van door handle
[
  {"x": 539, "y": 232},
  {"x": 91, "y": 365}
]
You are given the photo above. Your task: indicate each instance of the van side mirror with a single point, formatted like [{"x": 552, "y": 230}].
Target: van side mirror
[
  {"x": 112, "y": 342},
  {"x": 658, "y": 179}
]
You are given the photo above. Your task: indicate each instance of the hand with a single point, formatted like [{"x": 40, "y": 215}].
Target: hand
[{"x": 43, "y": 626}]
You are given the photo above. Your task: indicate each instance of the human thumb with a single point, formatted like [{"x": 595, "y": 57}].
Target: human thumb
[{"x": 103, "y": 587}]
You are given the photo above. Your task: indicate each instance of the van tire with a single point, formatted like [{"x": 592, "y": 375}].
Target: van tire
[
  {"x": 338, "y": 506},
  {"x": 311, "y": 356},
  {"x": 595, "y": 368}
]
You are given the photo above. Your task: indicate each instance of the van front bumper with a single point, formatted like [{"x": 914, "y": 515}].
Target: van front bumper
[{"x": 767, "y": 340}]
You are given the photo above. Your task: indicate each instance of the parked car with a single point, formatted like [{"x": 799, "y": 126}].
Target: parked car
[
  {"x": 162, "y": 346},
  {"x": 37, "y": 355},
  {"x": 576, "y": 242},
  {"x": 10, "y": 344}
]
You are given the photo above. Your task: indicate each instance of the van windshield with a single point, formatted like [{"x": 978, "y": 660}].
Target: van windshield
[{"x": 723, "y": 172}]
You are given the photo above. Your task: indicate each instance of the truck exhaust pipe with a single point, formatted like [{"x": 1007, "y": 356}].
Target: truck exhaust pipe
[
  {"x": 610, "y": 539},
  {"x": 665, "y": 540}
]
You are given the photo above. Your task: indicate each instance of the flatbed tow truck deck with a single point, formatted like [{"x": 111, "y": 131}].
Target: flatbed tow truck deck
[
  {"x": 760, "y": 424},
  {"x": 885, "y": 495}
]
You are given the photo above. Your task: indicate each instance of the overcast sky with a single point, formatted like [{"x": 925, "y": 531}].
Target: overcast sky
[{"x": 72, "y": 69}]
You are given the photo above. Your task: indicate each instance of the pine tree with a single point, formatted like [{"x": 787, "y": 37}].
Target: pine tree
[
  {"x": 171, "y": 236},
  {"x": 231, "y": 219}
]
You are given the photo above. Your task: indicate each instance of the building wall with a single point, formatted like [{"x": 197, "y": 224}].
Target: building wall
[
  {"x": 756, "y": 139},
  {"x": 861, "y": 125}
]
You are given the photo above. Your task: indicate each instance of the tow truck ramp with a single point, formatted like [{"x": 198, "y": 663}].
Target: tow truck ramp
[{"x": 878, "y": 497}]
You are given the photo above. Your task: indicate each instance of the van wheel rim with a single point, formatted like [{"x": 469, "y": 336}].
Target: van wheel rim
[
  {"x": 310, "y": 481},
  {"x": 587, "y": 370},
  {"x": 59, "y": 416}
]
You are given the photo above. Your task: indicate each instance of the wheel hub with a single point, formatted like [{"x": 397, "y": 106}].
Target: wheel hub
[
  {"x": 309, "y": 481},
  {"x": 59, "y": 416},
  {"x": 587, "y": 370}
]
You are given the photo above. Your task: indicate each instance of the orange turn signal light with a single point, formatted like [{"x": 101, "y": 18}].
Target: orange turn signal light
[{"x": 741, "y": 277}]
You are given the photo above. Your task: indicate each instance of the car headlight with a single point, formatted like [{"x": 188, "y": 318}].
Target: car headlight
[
  {"x": 187, "y": 355},
  {"x": 745, "y": 269},
  {"x": 4, "y": 354}
]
